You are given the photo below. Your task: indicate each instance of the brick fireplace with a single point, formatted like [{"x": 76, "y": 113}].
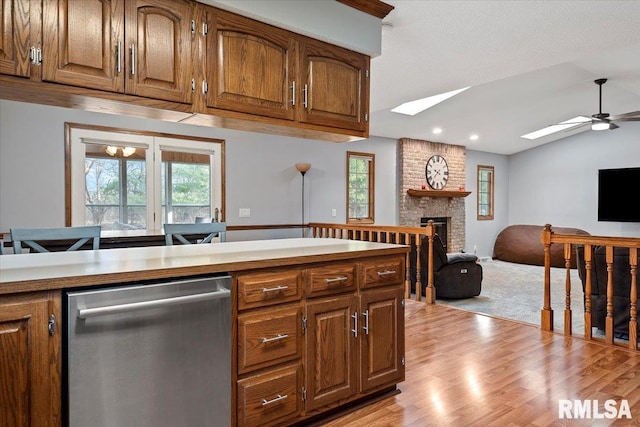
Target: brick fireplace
[{"x": 412, "y": 157}]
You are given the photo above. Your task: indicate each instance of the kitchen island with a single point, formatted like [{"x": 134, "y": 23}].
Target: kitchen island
[{"x": 316, "y": 323}]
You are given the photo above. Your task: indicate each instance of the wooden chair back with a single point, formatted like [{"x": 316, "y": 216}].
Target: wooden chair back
[
  {"x": 33, "y": 237},
  {"x": 203, "y": 232}
]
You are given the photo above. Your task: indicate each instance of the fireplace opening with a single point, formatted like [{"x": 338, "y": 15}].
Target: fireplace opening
[{"x": 440, "y": 224}]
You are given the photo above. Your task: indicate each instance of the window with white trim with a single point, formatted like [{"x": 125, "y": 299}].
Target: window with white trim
[{"x": 123, "y": 180}]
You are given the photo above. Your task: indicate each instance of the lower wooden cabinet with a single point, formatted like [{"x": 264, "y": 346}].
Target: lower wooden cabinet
[
  {"x": 270, "y": 398},
  {"x": 302, "y": 353},
  {"x": 30, "y": 360},
  {"x": 382, "y": 337},
  {"x": 331, "y": 350}
]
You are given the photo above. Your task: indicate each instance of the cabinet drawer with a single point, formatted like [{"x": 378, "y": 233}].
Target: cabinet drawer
[
  {"x": 270, "y": 398},
  {"x": 268, "y": 288},
  {"x": 331, "y": 279},
  {"x": 268, "y": 337},
  {"x": 382, "y": 271}
]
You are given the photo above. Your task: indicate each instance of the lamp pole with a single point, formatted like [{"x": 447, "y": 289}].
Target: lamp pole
[{"x": 303, "y": 168}]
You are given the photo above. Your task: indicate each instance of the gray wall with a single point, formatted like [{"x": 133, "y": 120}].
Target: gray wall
[
  {"x": 260, "y": 171},
  {"x": 482, "y": 234},
  {"x": 557, "y": 183}
]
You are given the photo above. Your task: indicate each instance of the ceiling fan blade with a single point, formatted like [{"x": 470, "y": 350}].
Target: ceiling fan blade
[
  {"x": 625, "y": 115},
  {"x": 613, "y": 126},
  {"x": 579, "y": 125},
  {"x": 627, "y": 119}
]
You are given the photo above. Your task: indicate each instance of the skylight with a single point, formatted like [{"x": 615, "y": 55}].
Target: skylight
[
  {"x": 412, "y": 108},
  {"x": 567, "y": 124}
]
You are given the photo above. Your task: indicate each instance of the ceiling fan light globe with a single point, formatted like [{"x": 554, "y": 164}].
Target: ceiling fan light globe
[{"x": 600, "y": 126}]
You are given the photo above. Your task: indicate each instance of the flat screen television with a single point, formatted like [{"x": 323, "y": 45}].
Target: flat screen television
[{"x": 615, "y": 202}]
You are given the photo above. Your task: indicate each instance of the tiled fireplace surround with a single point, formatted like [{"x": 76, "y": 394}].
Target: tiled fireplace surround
[{"x": 412, "y": 158}]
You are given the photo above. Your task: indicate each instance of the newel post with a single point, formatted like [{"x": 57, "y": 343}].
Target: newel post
[
  {"x": 431, "y": 290},
  {"x": 546, "y": 315}
]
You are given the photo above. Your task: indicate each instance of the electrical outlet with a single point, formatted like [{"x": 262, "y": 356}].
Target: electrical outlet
[
  {"x": 334, "y": 213},
  {"x": 244, "y": 212}
]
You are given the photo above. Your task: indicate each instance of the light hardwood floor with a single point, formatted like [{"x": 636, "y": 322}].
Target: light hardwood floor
[{"x": 467, "y": 369}]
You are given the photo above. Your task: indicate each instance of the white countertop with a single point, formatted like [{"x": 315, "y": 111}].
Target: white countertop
[{"x": 37, "y": 271}]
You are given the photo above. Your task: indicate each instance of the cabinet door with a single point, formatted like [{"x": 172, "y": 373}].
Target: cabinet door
[
  {"x": 382, "y": 337},
  {"x": 15, "y": 37},
  {"x": 335, "y": 86},
  {"x": 29, "y": 362},
  {"x": 82, "y": 43},
  {"x": 331, "y": 350},
  {"x": 159, "y": 49},
  {"x": 251, "y": 67}
]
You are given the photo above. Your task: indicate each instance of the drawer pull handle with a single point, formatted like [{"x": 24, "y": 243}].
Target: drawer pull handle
[
  {"x": 354, "y": 316},
  {"x": 366, "y": 322},
  {"x": 336, "y": 279},
  {"x": 276, "y": 338},
  {"x": 276, "y": 289},
  {"x": 386, "y": 273},
  {"x": 266, "y": 402}
]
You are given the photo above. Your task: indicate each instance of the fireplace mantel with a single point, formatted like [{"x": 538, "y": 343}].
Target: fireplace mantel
[{"x": 437, "y": 193}]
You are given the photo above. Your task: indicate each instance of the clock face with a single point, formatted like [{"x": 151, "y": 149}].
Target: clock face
[{"x": 437, "y": 172}]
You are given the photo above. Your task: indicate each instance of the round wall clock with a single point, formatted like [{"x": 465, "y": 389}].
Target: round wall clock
[{"x": 437, "y": 172}]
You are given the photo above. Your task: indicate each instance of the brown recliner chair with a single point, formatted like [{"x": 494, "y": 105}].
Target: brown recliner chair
[{"x": 455, "y": 275}]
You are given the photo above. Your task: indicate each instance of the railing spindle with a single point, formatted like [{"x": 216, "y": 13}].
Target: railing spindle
[
  {"x": 633, "y": 311},
  {"x": 587, "y": 292},
  {"x": 608, "y": 325},
  {"x": 568, "y": 327}
]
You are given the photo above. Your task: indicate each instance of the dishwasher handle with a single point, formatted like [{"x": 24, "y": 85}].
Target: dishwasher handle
[{"x": 84, "y": 313}]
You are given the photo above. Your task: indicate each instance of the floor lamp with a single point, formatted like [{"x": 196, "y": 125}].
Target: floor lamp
[{"x": 303, "y": 168}]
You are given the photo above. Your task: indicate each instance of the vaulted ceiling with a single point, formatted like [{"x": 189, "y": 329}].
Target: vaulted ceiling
[{"x": 529, "y": 64}]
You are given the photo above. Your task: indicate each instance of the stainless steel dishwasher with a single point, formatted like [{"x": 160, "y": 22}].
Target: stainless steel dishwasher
[{"x": 149, "y": 355}]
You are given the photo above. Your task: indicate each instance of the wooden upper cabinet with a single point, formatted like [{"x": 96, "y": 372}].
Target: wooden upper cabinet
[
  {"x": 159, "y": 48},
  {"x": 83, "y": 43},
  {"x": 251, "y": 66},
  {"x": 15, "y": 37},
  {"x": 335, "y": 86}
]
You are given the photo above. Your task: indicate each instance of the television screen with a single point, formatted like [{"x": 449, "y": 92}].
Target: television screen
[{"x": 615, "y": 203}]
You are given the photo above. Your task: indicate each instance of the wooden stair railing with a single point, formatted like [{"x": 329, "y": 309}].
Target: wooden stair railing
[
  {"x": 389, "y": 234},
  {"x": 570, "y": 241}
]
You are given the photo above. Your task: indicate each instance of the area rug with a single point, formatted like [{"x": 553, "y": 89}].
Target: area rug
[{"x": 516, "y": 291}]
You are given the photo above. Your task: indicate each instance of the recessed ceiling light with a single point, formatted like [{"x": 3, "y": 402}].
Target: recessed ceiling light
[
  {"x": 437, "y": 130},
  {"x": 412, "y": 108},
  {"x": 473, "y": 137},
  {"x": 567, "y": 124}
]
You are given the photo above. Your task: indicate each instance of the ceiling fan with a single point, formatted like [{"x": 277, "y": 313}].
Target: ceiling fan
[{"x": 604, "y": 121}]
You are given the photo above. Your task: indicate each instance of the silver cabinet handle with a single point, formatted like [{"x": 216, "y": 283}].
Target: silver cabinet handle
[
  {"x": 305, "y": 91},
  {"x": 293, "y": 93},
  {"x": 355, "y": 325},
  {"x": 119, "y": 57},
  {"x": 266, "y": 402},
  {"x": 276, "y": 289},
  {"x": 276, "y": 338},
  {"x": 336, "y": 279},
  {"x": 133, "y": 59},
  {"x": 386, "y": 273},
  {"x": 366, "y": 322},
  {"x": 85, "y": 313}
]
